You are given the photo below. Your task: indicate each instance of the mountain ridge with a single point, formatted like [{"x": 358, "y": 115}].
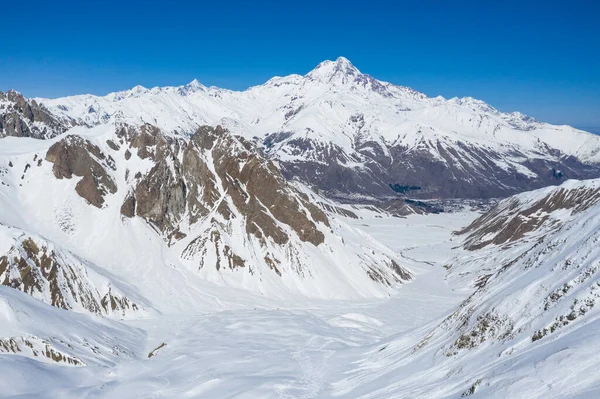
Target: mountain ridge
[{"x": 348, "y": 133}]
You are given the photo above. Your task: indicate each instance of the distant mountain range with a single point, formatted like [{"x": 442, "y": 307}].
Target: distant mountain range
[{"x": 343, "y": 132}]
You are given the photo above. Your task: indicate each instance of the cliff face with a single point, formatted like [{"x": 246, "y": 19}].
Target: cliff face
[{"x": 21, "y": 117}]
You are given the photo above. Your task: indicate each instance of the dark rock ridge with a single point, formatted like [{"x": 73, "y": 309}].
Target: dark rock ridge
[
  {"x": 511, "y": 219},
  {"x": 21, "y": 117},
  {"x": 256, "y": 188},
  {"x": 458, "y": 170}
]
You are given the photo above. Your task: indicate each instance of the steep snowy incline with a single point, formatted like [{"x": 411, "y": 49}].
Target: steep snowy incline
[
  {"x": 35, "y": 330},
  {"x": 56, "y": 276},
  {"x": 347, "y": 133},
  {"x": 529, "y": 328}
]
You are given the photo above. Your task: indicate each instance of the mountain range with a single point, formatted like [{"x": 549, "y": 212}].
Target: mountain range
[
  {"x": 324, "y": 235},
  {"x": 344, "y": 132}
]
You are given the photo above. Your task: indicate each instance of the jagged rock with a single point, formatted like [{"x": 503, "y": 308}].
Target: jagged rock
[
  {"x": 256, "y": 187},
  {"x": 113, "y": 146},
  {"x": 513, "y": 218},
  {"x": 128, "y": 207},
  {"x": 21, "y": 117},
  {"x": 49, "y": 273},
  {"x": 76, "y": 156},
  {"x": 160, "y": 196}
]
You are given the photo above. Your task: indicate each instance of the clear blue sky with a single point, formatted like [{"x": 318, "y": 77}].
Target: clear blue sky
[{"x": 538, "y": 57}]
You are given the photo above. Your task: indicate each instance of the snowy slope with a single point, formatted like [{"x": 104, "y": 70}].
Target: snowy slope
[
  {"x": 529, "y": 328},
  {"x": 210, "y": 206},
  {"x": 129, "y": 223},
  {"x": 240, "y": 345},
  {"x": 38, "y": 331},
  {"x": 349, "y": 133},
  {"x": 513, "y": 319},
  {"x": 158, "y": 257},
  {"x": 55, "y": 276}
]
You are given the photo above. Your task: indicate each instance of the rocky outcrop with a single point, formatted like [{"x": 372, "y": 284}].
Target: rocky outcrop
[
  {"x": 227, "y": 207},
  {"x": 511, "y": 219},
  {"x": 215, "y": 162},
  {"x": 260, "y": 192},
  {"x": 74, "y": 155},
  {"x": 21, "y": 117},
  {"x": 37, "y": 348},
  {"x": 57, "y": 277}
]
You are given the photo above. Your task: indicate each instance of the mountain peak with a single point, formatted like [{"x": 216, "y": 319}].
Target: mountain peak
[
  {"x": 195, "y": 84},
  {"x": 339, "y": 70},
  {"x": 344, "y": 62},
  {"x": 192, "y": 87}
]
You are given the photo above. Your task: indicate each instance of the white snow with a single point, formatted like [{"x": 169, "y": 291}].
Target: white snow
[
  {"x": 320, "y": 105},
  {"x": 331, "y": 332},
  {"x": 208, "y": 339}
]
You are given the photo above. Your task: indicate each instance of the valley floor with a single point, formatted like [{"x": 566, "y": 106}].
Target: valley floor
[{"x": 253, "y": 348}]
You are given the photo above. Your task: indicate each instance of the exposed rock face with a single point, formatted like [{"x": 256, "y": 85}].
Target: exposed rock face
[
  {"x": 37, "y": 348},
  {"x": 160, "y": 196},
  {"x": 128, "y": 207},
  {"x": 215, "y": 189},
  {"x": 57, "y": 277},
  {"x": 223, "y": 207},
  {"x": 76, "y": 156},
  {"x": 21, "y": 117},
  {"x": 256, "y": 188},
  {"x": 511, "y": 219},
  {"x": 439, "y": 170}
]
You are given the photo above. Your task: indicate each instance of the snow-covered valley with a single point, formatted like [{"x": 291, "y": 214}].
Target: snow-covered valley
[
  {"x": 224, "y": 342},
  {"x": 98, "y": 301},
  {"x": 248, "y": 346}
]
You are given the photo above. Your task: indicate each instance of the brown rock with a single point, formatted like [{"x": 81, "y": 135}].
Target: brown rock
[
  {"x": 113, "y": 146},
  {"x": 128, "y": 207},
  {"x": 76, "y": 156}
]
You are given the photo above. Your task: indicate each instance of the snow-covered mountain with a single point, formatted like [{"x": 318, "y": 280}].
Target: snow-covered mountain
[
  {"x": 184, "y": 242},
  {"x": 128, "y": 222},
  {"x": 528, "y": 328},
  {"x": 213, "y": 204},
  {"x": 348, "y": 133}
]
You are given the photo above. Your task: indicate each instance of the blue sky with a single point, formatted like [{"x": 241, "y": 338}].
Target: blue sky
[{"x": 539, "y": 57}]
